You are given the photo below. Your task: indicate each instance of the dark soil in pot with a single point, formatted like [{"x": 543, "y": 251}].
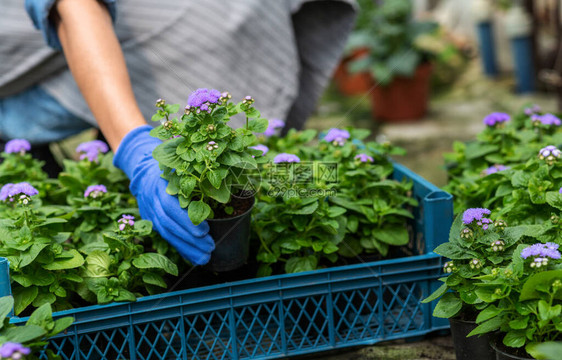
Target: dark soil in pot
[
  {"x": 231, "y": 233},
  {"x": 508, "y": 353},
  {"x": 470, "y": 348}
]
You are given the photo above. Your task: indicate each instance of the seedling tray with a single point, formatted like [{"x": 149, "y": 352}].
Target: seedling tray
[{"x": 277, "y": 316}]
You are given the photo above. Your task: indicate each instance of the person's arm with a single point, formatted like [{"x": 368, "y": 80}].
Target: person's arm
[
  {"x": 96, "y": 61},
  {"x": 95, "y": 58}
]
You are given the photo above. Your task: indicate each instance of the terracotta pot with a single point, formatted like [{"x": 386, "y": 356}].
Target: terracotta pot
[
  {"x": 404, "y": 99},
  {"x": 351, "y": 84}
]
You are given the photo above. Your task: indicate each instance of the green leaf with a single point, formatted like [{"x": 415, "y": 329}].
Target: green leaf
[
  {"x": 299, "y": 264},
  {"x": 198, "y": 211},
  {"x": 155, "y": 261},
  {"x": 258, "y": 125},
  {"x": 436, "y": 294},
  {"x": 97, "y": 264},
  {"x": 452, "y": 251},
  {"x": 165, "y": 153},
  {"x": 68, "y": 263},
  {"x": 154, "y": 279},
  {"x": 61, "y": 325},
  {"x": 23, "y": 334},
  {"x": 305, "y": 210},
  {"x": 548, "y": 312},
  {"x": 392, "y": 235},
  {"x": 538, "y": 280},
  {"x": 221, "y": 194},
  {"x": 476, "y": 150},
  {"x": 488, "y": 313},
  {"x": 23, "y": 297},
  {"x": 519, "y": 323},
  {"x": 44, "y": 298},
  {"x": 6, "y": 306},
  {"x": 554, "y": 199},
  {"x": 405, "y": 62},
  {"x": 515, "y": 339},
  {"x": 448, "y": 306},
  {"x": 335, "y": 211},
  {"x": 42, "y": 316},
  {"x": 487, "y": 326},
  {"x": 30, "y": 254},
  {"x": 214, "y": 178},
  {"x": 548, "y": 350},
  {"x": 187, "y": 184}
]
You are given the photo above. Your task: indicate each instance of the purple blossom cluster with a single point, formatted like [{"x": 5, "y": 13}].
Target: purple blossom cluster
[
  {"x": 95, "y": 191},
  {"x": 14, "y": 351},
  {"x": 546, "y": 119},
  {"x": 91, "y": 149},
  {"x": 286, "y": 158},
  {"x": 477, "y": 214},
  {"x": 495, "y": 168},
  {"x": 203, "y": 97},
  {"x": 337, "y": 136},
  {"x": 550, "y": 153},
  {"x": 364, "y": 158},
  {"x": 273, "y": 126},
  {"x": 10, "y": 191},
  {"x": 126, "y": 220},
  {"x": 496, "y": 118},
  {"x": 535, "y": 109},
  {"x": 548, "y": 250},
  {"x": 264, "y": 149},
  {"x": 17, "y": 146}
]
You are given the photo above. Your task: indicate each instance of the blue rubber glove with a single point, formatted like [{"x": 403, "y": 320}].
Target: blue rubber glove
[{"x": 134, "y": 157}]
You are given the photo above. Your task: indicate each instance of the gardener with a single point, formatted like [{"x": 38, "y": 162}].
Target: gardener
[{"x": 281, "y": 51}]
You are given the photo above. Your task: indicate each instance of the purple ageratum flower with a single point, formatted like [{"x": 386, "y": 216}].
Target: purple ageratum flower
[
  {"x": 272, "y": 127},
  {"x": 548, "y": 250},
  {"x": 91, "y": 149},
  {"x": 202, "y": 96},
  {"x": 549, "y": 150},
  {"x": 95, "y": 191},
  {"x": 17, "y": 146},
  {"x": 337, "y": 136},
  {"x": 496, "y": 118},
  {"x": 12, "y": 350},
  {"x": 495, "y": 168},
  {"x": 547, "y": 119},
  {"x": 10, "y": 191},
  {"x": 264, "y": 149},
  {"x": 535, "y": 109},
  {"x": 474, "y": 214},
  {"x": 126, "y": 220},
  {"x": 364, "y": 158},
  {"x": 286, "y": 158}
]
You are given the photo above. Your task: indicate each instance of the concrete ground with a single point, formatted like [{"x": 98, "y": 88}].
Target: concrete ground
[{"x": 455, "y": 114}]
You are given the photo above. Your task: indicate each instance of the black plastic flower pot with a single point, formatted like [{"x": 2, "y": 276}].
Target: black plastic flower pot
[
  {"x": 470, "y": 348},
  {"x": 232, "y": 242},
  {"x": 505, "y": 353}
]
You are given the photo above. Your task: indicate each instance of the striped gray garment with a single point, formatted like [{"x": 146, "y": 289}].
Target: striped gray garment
[{"x": 282, "y": 52}]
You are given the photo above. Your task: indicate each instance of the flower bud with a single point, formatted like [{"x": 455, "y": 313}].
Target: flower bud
[
  {"x": 211, "y": 128},
  {"x": 449, "y": 267},
  {"x": 466, "y": 234},
  {"x": 556, "y": 284},
  {"x": 475, "y": 264},
  {"x": 554, "y": 219},
  {"x": 497, "y": 245},
  {"x": 160, "y": 102},
  {"x": 500, "y": 224}
]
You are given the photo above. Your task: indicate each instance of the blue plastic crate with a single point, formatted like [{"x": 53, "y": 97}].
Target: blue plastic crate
[{"x": 277, "y": 316}]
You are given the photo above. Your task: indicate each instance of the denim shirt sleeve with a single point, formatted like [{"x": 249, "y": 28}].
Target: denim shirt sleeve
[{"x": 38, "y": 11}]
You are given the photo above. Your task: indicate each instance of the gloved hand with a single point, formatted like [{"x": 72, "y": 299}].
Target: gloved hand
[{"x": 134, "y": 157}]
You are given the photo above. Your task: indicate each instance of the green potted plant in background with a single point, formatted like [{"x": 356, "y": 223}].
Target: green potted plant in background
[
  {"x": 349, "y": 82},
  {"x": 400, "y": 67},
  {"x": 208, "y": 166}
]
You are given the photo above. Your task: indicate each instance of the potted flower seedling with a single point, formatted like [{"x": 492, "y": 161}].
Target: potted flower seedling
[
  {"x": 530, "y": 302},
  {"x": 209, "y": 167},
  {"x": 478, "y": 247}
]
